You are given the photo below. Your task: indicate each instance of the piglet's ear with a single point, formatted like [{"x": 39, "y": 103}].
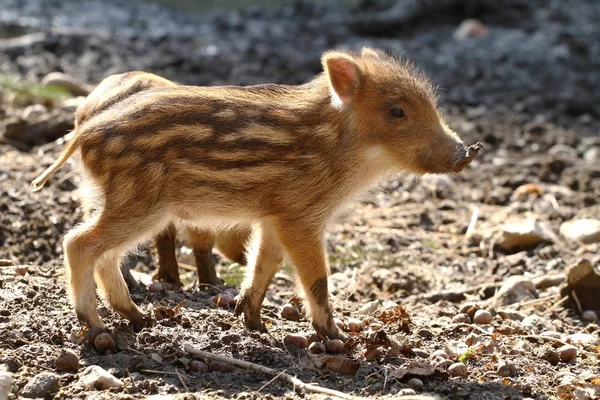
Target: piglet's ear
[{"x": 344, "y": 75}]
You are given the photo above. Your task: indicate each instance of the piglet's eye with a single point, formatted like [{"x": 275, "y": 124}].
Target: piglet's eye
[{"x": 397, "y": 112}]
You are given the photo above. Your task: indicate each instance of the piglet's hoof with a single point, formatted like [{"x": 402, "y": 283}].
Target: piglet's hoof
[
  {"x": 330, "y": 331},
  {"x": 251, "y": 316}
]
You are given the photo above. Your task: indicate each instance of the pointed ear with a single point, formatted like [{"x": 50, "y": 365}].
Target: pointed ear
[
  {"x": 368, "y": 52},
  {"x": 343, "y": 73}
]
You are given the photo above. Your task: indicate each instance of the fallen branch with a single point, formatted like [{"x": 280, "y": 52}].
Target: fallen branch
[{"x": 297, "y": 383}]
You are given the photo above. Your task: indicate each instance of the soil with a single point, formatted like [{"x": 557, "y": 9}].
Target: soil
[{"x": 525, "y": 91}]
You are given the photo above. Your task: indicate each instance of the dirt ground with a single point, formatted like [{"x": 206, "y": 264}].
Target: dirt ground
[{"x": 408, "y": 261}]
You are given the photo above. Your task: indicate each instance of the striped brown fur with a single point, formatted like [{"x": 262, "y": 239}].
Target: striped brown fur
[
  {"x": 107, "y": 94},
  {"x": 284, "y": 158}
]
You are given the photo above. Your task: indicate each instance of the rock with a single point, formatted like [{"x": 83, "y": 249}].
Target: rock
[
  {"x": 416, "y": 384},
  {"x": 43, "y": 384},
  {"x": 471, "y": 339},
  {"x": 589, "y": 316},
  {"x": 506, "y": 369},
  {"x": 296, "y": 339},
  {"x": 470, "y": 28},
  {"x": 370, "y": 307},
  {"x": 534, "y": 323},
  {"x": 584, "y": 339},
  {"x": 67, "y": 83},
  {"x": 104, "y": 342},
  {"x": 511, "y": 315},
  {"x": 592, "y": 155},
  {"x": 67, "y": 361},
  {"x": 198, "y": 366},
  {"x": 317, "y": 348},
  {"x": 334, "y": 346},
  {"x": 339, "y": 323},
  {"x": 5, "y": 384},
  {"x": 461, "y": 319},
  {"x": 354, "y": 325},
  {"x": 549, "y": 354},
  {"x": 567, "y": 353},
  {"x": 98, "y": 378},
  {"x": 157, "y": 287},
  {"x": 482, "y": 317},
  {"x": 219, "y": 366},
  {"x": 34, "y": 112},
  {"x": 224, "y": 300},
  {"x": 439, "y": 354},
  {"x": 290, "y": 312},
  {"x": 562, "y": 150},
  {"x": 516, "y": 288},
  {"x": 420, "y": 353},
  {"x": 458, "y": 369},
  {"x": 584, "y": 230},
  {"x": 406, "y": 392},
  {"x": 585, "y": 281},
  {"x": 523, "y": 234}
]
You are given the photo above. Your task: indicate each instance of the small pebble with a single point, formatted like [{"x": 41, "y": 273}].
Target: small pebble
[
  {"x": 461, "y": 319},
  {"x": 416, "y": 384},
  {"x": 290, "y": 312},
  {"x": 406, "y": 392},
  {"x": 369, "y": 307},
  {"x": 420, "y": 353},
  {"x": 67, "y": 361},
  {"x": 592, "y": 328},
  {"x": 567, "y": 353},
  {"x": 104, "y": 342},
  {"x": 482, "y": 317},
  {"x": 317, "y": 348},
  {"x": 354, "y": 325},
  {"x": 296, "y": 339},
  {"x": 197, "y": 366},
  {"x": 471, "y": 339},
  {"x": 334, "y": 346},
  {"x": 221, "y": 366},
  {"x": 506, "y": 370},
  {"x": 458, "y": 369},
  {"x": 439, "y": 354},
  {"x": 224, "y": 300},
  {"x": 43, "y": 384},
  {"x": 590, "y": 316},
  {"x": 157, "y": 287}
]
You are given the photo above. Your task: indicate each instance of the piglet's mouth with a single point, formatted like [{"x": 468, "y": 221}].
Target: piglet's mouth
[{"x": 464, "y": 156}]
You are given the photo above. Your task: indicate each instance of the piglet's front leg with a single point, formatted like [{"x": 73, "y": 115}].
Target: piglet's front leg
[{"x": 306, "y": 250}]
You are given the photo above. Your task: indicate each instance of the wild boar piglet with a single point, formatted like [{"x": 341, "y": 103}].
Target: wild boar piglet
[
  {"x": 106, "y": 95},
  {"x": 283, "y": 158}
]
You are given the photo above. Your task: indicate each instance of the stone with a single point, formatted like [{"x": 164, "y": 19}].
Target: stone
[
  {"x": 584, "y": 339},
  {"x": 461, "y": 318},
  {"x": 104, "y": 342},
  {"x": 96, "y": 377},
  {"x": 43, "y": 384},
  {"x": 458, "y": 369},
  {"x": 589, "y": 316},
  {"x": 416, "y": 384},
  {"x": 585, "y": 281},
  {"x": 506, "y": 369},
  {"x": 317, "y": 348},
  {"x": 567, "y": 353},
  {"x": 523, "y": 234},
  {"x": 290, "y": 312},
  {"x": 296, "y": 339},
  {"x": 516, "y": 288},
  {"x": 67, "y": 361},
  {"x": 470, "y": 28},
  {"x": 482, "y": 317},
  {"x": 585, "y": 230},
  {"x": 368, "y": 308},
  {"x": 334, "y": 346},
  {"x": 5, "y": 384},
  {"x": 406, "y": 392}
]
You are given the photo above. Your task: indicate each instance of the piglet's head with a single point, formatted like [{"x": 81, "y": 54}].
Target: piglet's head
[{"x": 391, "y": 108}]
